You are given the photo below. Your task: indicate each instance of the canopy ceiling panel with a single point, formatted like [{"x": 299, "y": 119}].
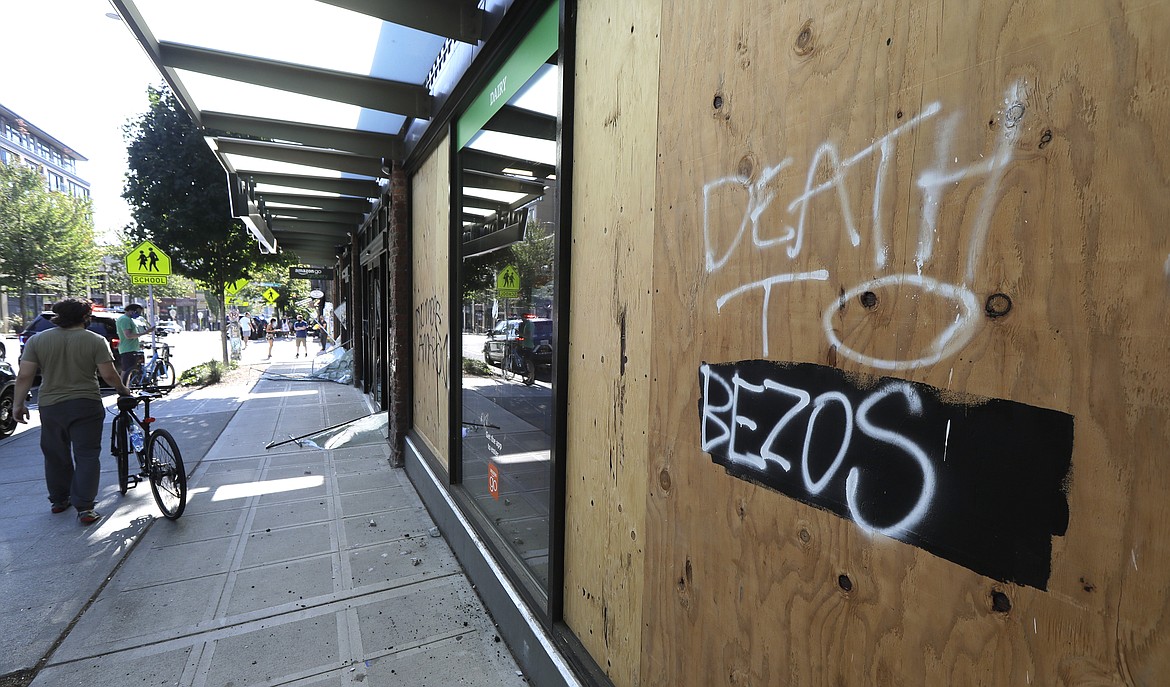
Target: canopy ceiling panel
[{"x": 303, "y": 101}]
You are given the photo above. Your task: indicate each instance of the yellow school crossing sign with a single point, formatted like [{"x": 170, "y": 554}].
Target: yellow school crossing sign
[
  {"x": 147, "y": 264},
  {"x": 270, "y": 294},
  {"x": 508, "y": 282}
]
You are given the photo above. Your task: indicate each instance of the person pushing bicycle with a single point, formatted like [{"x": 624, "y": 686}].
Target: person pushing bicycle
[{"x": 69, "y": 358}]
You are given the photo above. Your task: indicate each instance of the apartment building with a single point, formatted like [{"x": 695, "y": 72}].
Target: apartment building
[{"x": 23, "y": 143}]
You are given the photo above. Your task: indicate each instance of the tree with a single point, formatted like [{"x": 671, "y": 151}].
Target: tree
[
  {"x": 178, "y": 196},
  {"x": 533, "y": 258},
  {"x": 47, "y": 236}
]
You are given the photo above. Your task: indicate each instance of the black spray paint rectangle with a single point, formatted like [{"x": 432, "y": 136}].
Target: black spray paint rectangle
[{"x": 978, "y": 481}]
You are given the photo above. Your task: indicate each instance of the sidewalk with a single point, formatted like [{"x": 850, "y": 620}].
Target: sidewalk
[{"x": 290, "y": 566}]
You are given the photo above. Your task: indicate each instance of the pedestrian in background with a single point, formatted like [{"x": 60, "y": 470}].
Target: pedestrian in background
[
  {"x": 270, "y": 334},
  {"x": 322, "y": 332},
  {"x": 130, "y": 329},
  {"x": 301, "y": 331},
  {"x": 69, "y": 358},
  {"x": 245, "y": 329}
]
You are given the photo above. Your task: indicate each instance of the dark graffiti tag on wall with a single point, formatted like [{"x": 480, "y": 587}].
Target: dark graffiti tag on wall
[
  {"x": 978, "y": 481},
  {"x": 432, "y": 340}
]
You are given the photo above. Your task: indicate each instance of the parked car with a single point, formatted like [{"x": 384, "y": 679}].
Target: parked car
[
  {"x": 505, "y": 332},
  {"x": 7, "y": 395},
  {"x": 168, "y": 327},
  {"x": 101, "y": 321}
]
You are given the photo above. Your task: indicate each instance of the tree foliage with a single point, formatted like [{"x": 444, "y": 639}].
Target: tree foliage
[
  {"x": 178, "y": 196},
  {"x": 47, "y": 236}
]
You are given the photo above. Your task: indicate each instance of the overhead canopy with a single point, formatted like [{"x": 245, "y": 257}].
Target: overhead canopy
[{"x": 308, "y": 103}]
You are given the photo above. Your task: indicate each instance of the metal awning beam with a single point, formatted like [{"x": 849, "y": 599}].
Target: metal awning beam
[
  {"x": 521, "y": 122},
  {"x": 368, "y": 143},
  {"x": 301, "y": 155},
  {"x": 280, "y": 214},
  {"x": 357, "y": 188},
  {"x": 461, "y": 20},
  {"x": 322, "y": 229},
  {"x": 498, "y": 182},
  {"x": 480, "y": 161},
  {"x": 354, "y": 205},
  {"x": 485, "y": 203},
  {"x": 364, "y": 91}
]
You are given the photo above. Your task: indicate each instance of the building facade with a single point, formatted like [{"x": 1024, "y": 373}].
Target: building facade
[
  {"x": 21, "y": 142},
  {"x": 857, "y": 369}
]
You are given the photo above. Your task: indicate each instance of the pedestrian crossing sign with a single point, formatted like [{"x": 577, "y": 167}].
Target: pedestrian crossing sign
[
  {"x": 271, "y": 295},
  {"x": 508, "y": 282},
  {"x": 148, "y": 260}
]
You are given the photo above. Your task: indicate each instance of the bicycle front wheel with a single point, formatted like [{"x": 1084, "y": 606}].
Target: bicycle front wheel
[
  {"x": 507, "y": 367},
  {"x": 164, "y": 375},
  {"x": 168, "y": 478}
]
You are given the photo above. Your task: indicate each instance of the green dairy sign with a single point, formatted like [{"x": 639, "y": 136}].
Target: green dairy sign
[{"x": 540, "y": 44}]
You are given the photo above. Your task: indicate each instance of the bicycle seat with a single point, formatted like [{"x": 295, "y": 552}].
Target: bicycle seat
[{"x": 127, "y": 402}]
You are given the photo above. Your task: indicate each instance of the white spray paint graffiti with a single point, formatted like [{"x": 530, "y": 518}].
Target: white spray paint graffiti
[
  {"x": 721, "y": 424},
  {"x": 932, "y": 183}
]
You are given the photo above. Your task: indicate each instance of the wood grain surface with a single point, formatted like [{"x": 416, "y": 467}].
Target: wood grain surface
[
  {"x": 934, "y": 158},
  {"x": 430, "y": 213},
  {"x": 609, "y": 349}
]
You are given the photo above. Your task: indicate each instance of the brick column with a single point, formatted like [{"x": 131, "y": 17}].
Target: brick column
[{"x": 400, "y": 298}]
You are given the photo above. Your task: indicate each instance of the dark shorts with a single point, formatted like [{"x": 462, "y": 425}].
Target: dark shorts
[{"x": 130, "y": 360}]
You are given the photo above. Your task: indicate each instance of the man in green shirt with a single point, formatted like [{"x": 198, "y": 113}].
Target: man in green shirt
[
  {"x": 69, "y": 358},
  {"x": 129, "y": 347}
]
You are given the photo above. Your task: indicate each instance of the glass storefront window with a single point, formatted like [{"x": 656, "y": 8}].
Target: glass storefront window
[{"x": 510, "y": 209}]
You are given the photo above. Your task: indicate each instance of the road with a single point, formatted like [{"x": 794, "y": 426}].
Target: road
[{"x": 188, "y": 349}]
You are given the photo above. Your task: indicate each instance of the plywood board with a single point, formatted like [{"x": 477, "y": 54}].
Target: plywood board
[
  {"x": 610, "y": 338},
  {"x": 962, "y": 207},
  {"x": 430, "y": 214}
]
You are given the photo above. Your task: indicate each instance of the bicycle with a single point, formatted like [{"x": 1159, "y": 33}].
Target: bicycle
[
  {"x": 155, "y": 373},
  {"x": 515, "y": 363},
  {"x": 159, "y": 460}
]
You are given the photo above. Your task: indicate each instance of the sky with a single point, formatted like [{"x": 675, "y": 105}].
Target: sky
[{"x": 79, "y": 76}]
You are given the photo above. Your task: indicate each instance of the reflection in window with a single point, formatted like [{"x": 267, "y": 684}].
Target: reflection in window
[{"x": 510, "y": 212}]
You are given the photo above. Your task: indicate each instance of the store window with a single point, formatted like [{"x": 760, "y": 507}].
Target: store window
[{"x": 507, "y": 236}]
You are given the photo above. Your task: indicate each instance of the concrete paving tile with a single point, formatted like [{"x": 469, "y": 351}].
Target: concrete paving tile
[
  {"x": 383, "y": 563},
  {"x": 291, "y": 513},
  {"x": 267, "y": 655},
  {"x": 400, "y": 523},
  {"x": 212, "y": 498},
  {"x": 378, "y": 480},
  {"x": 364, "y": 451},
  {"x": 473, "y": 659},
  {"x": 29, "y": 631},
  {"x": 23, "y": 498},
  {"x": 287, "y": 543},
  {"x": 365, "y": 463},
  {"x": 420, "y": 616},
  {"x": 151, "y": 565},
  {"x": 117, "y": 669},
  {"x": 287, "y": 471},
  {"x": 365, "y": 502},
  {"x": 273, "y": 585},
  {"x": 120, "y": 619},
  {"x": 212, "y": 478},
  {"x": 228, "y": 466},
  {"x": 294, "y": 488},
  {"x": 298, "y": 456},
  {"x": 198, "y": 526}
]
